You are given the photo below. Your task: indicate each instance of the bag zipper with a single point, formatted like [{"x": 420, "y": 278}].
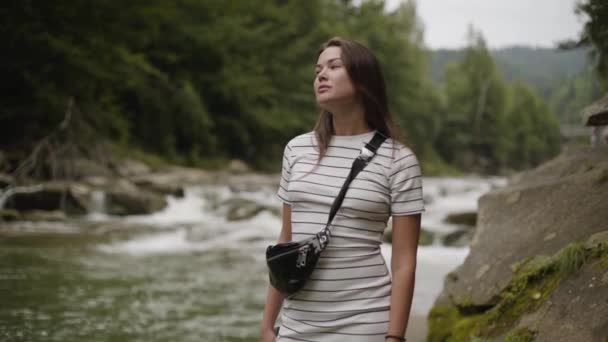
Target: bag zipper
[{"x": 299, "y": 250}]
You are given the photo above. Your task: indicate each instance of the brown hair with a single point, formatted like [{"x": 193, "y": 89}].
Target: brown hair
[{"x": 366, "y": 75}]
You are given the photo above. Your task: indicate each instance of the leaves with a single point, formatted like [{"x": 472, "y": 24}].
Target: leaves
[{"x": 216, "y": 79}]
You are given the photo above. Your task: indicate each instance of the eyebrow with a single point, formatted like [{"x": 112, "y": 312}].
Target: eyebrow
[{"x": 328, "y": 61}]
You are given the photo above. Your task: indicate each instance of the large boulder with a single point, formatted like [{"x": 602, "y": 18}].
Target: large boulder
[
  {"x": 178, "y": 176},
  {"x": 541, "y": 212},
  {"x": 71, "y": 198},
  {"x": 131, "y": 167},
  {"x": 43, "y": 215},
  {"x": 458, "y": 238},
  {"x": 466, "y": 219},
  {"x": 82, "y": 168},
  {"x": 125, "y": 198},
  {"x": 538, "y": 214},
  {"x": 576, "y": 310},
  {"x": 238, "y": 209},
  {"x": 549, "y": 298},
  {"x": 159, "y": 183}
]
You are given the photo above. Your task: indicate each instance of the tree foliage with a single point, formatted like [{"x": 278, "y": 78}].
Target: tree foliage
[
  {"x": 594, "y": 35},
  {"x": 484, "y": 117},
  {"x": 214, "y": 80}
]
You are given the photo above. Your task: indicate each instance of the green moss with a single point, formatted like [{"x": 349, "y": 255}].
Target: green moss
[
  {"x": 533, "y": 281},
  {"x": 442, "y": 321},
  {"x": 521, "y": 335},
  {"x": 604, "y": 261},
  {"x": 516, "y": 267},
  {"x": 571, "y": 258},
  {"x": 603, "y": 256}
]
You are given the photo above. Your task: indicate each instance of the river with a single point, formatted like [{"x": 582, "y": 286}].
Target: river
[{"x": 182, "y": 274}]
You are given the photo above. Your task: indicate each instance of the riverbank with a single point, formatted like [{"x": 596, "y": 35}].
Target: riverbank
[{"x": 538, "y": 265}]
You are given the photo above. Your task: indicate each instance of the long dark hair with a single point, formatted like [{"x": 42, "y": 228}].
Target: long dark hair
[{"x": 367, "y": 78}]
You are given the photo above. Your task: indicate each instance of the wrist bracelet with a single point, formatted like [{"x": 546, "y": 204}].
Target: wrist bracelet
[{"x": 399, "y": 338}]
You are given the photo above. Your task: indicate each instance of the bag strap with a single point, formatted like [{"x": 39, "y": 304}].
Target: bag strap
[{"x": 368, "y": 151}]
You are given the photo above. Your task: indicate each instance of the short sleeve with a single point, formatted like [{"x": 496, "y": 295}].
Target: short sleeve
[
  {"x": 283, "y": 193},
  {"x": 405, "y": 181}
]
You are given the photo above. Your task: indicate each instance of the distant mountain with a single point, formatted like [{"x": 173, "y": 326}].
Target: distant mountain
[
  {"x": 531, "y": 65},
  {"x": 563, "y": 79}
]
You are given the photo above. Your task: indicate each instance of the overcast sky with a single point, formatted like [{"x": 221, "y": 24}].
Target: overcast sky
[{"x": 502, "y": 22}]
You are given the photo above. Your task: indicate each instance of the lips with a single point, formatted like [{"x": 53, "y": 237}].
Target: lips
[{"x": 323, "y": 88}]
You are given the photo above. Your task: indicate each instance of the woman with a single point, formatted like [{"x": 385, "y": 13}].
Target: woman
[{"x": 350, "y": 296}]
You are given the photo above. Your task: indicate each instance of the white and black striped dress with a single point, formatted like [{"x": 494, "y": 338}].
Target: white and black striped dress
[{"x": 347, "y": 298}]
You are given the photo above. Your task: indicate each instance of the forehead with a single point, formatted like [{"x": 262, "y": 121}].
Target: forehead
[{"x": 329, "y": 53}]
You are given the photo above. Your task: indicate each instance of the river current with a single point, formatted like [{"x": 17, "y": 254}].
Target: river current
[{"x": 183, "y": 274}]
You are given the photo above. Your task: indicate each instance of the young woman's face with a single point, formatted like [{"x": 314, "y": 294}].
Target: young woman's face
[{"x": 332, "y": 82}]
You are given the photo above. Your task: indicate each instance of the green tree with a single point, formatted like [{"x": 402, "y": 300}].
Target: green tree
[
  {"x": 594, "y": 35},
  {"x": 533, "y": 131},
  {"x": 473, "y": 129}
]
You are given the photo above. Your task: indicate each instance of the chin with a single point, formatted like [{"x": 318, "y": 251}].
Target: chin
[{"x": 323, "y": 101}]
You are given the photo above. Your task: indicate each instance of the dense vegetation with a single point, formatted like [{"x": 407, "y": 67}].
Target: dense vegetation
[
  {"x": 563, "y": 79},
  {"x": 594, "y": 35},
  {"x": 206, "y": 81}
]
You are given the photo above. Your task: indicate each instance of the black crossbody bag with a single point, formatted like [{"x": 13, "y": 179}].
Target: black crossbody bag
[{"x": 290, "y": 264}]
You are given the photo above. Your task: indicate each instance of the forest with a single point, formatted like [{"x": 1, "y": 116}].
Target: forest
[{"x": 201, "y": 83}]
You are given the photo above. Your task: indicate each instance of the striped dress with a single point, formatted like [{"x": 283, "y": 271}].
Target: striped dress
[{"x": 347, "y": 297}]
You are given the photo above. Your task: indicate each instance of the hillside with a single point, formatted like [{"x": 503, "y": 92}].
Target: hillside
[{"x": 563, "y": 79}]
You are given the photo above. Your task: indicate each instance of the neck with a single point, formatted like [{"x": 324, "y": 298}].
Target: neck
[{"x": 349, "y": 120}]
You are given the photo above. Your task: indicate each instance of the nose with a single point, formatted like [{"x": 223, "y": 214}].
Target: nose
[{"x": 321, "y": 75}]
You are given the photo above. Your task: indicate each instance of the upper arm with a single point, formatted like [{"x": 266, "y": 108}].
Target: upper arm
[
  {"x": 285, "y": 235},
  {"x": 405, "y": 183},
  {"x": 283, "y": 190},
  {"x": 406, "y": 231}
]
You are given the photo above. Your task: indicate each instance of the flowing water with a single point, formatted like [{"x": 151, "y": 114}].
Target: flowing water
[{"x": 183, "y": 274}]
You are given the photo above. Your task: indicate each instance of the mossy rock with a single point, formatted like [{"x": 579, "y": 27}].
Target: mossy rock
[
  {"x": 243, "y": 209},
  {"x": 467, "y": 219},
  {"x": 459, "y": 238},
  {"x": 127, "y": 199},
  {"x": 534, "y": 280},
  {"x": 66, "y": 197},
  {"x": 521, "y": 335}
]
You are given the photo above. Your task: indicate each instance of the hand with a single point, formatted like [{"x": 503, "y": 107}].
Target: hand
[{"x": 268, "y": 335}]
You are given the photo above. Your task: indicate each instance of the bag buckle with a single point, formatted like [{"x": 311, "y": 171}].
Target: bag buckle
[
  {"x": 301, "y": 261},
  {"x": 366, "y": 154}
]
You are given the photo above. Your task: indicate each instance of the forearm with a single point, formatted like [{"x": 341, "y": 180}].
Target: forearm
[
  {"x": 401, "y": 300},
  {"x": 274, "y": 299}
]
